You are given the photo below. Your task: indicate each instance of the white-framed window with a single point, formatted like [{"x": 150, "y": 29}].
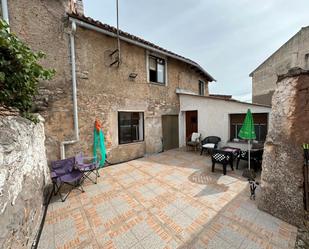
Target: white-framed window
[
  {"x": 130, "y": 127},
  {"x": 201, "y": 87},
  {"x": 156, "y": 69}
]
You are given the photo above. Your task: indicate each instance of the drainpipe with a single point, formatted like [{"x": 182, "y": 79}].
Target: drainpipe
[
  {"x": 74, "y": 93},
  {"x": 5, "y": 11}
]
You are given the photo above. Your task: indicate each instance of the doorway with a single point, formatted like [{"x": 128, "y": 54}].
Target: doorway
[
  {"x": 170, "y": 132},
  {"x": 191, "y": 123}
]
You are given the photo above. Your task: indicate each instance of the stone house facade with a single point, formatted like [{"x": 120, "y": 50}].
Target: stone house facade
[
  {"x": 294, "y": 53},
  {"x": 124, "y": 97}
]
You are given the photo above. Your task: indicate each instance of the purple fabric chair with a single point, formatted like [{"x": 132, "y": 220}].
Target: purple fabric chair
[
  {"x": 88, "y": 166},
  {"x": 64, "y": 172}
]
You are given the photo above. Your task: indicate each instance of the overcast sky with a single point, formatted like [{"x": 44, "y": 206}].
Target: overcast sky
[{"x": 227, "y": 38}]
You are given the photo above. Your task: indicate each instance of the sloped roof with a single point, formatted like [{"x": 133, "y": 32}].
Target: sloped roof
[
  {"x": 139, "y": 40},
  {"x": 251, "y": 74}
]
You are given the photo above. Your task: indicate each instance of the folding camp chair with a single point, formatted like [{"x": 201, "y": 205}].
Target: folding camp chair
[
  {"x": 64, "y": 172},
  {"x": 87, "y": 165}
]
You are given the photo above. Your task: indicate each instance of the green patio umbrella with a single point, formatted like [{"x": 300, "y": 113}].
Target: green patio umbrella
[{"x": 247, "y": 131}]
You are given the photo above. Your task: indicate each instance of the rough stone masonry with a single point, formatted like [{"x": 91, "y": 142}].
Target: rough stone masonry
[
  {"x": 282, "y": 175},
  {"x": 23, "y": 175}
]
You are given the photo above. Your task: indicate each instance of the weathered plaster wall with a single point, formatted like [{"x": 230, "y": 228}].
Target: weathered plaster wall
[
  {"x": 102, "y": 90},
  {"x": 282, "y": 174},
  {"x": 295, "y": 53},
  {"x": 23, "y": 174},
  {"x": 213, "y": 115},
  {"x": 43, "y": 26},
  {"x": 105, "y": 90}
]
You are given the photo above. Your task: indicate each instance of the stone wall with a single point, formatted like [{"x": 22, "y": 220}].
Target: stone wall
[
  {"x": 282, "y": 174},
  {"x": 23, "y": 175},
  {"x": 43, "y": 25},
  {"x": 294, "y": 53},
  {"x": 105, "y": 90},
  {"x": 102, "y": 90}
]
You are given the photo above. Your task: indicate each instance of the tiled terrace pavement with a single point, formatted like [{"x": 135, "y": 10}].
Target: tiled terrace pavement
[{"x": 166, "y": 201}]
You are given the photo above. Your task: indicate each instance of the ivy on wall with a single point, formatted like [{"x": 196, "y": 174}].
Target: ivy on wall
[{"x": 20, "y": 72}]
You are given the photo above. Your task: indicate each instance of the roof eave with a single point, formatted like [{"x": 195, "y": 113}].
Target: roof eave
[{"x": 92, "y": 26}]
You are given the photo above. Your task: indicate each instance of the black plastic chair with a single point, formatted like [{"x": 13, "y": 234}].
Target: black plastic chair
[
  {"x": 221, "y": 157},
  {"x": 256, "y": 156},
  {"x": 211, "y": 140}
]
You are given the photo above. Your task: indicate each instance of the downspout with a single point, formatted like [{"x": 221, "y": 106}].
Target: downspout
[
  {"x": 74, "y": 93},
  {"x": 5, "y": 11}
]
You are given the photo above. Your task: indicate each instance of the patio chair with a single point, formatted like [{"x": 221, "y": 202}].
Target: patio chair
[
  {"x": 63, "y": 172},
  {"x": 210, "y": 143},
  {"x": 221, "y": 157},
  {"x": 256, "y": 156},
  {"x": 194, "y": 140},
  {"x": 87, "y": 165}
]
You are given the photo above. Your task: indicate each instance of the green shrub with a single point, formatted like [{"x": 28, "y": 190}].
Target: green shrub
[{"x": 20, "y": 72}]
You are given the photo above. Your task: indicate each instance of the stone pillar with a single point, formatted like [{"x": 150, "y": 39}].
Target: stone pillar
[{"x": 282, "y": 175}]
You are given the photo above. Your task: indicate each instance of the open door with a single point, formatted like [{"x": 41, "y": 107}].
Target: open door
[
  {"x": 170, "y": 132},
  {"x": 191, "y": 122}
]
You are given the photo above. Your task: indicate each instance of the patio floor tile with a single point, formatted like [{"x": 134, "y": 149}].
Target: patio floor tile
[
  {"x": 170, "y": 200},
  {"x": 125, "y": 240}
]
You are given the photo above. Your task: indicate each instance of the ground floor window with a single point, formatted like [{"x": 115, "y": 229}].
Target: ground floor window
[
  {"x": 260, "y": 125},
  {"x": 130, "y": 127}
]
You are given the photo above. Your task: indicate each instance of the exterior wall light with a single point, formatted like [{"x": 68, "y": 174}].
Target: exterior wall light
[{"x": 132, "y": 76}]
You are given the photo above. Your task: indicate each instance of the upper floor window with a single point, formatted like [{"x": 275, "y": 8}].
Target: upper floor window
[
  {"x": 201, "y": 88},
  {"x": 156, "y": 70}
]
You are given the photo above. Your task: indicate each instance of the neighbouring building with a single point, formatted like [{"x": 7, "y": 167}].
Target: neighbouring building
[
  {"x": 220, "y": 116},
  {"x": 135, "y": 89},
  {"x": 294, "y": 53}
]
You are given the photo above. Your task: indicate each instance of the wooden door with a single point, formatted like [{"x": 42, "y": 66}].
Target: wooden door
[
  {"x": 191, "y": 122},
  {"x": 170, "y": 132}
]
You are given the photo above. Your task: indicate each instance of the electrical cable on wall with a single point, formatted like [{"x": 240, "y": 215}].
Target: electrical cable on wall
[
  {"x": 118, "y": 35},
  {"x": 117, "y": 51}
]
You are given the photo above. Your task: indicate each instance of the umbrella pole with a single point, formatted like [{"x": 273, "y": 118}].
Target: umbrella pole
[{"x": 249, "y": 153}]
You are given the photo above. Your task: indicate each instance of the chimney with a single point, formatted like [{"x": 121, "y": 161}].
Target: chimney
[
  {"x": 80, "y": 7},
  {"x": 76, "y": 6}
]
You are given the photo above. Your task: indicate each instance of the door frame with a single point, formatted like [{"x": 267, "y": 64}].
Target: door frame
[{"x": 185, "y": 122}]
